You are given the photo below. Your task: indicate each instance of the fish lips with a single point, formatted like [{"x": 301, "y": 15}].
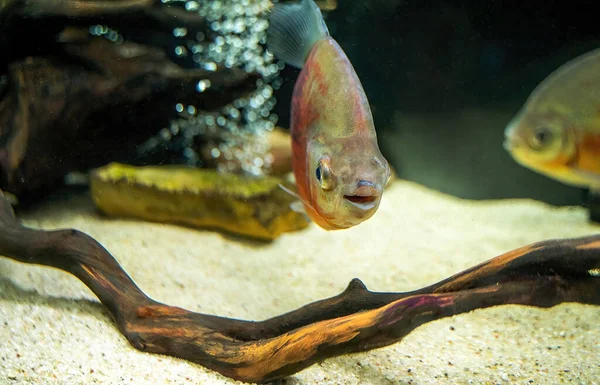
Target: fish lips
[
  {"x": 508, "y": 145},
  {"x": 512, "y": 143},
  {"x": 365, "y": 197},
  {"x": 512, "y": 139}
]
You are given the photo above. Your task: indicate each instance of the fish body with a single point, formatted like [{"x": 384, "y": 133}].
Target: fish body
[
  {"x": 339, "y": 170},
  {"x": 557, "y": 131}
]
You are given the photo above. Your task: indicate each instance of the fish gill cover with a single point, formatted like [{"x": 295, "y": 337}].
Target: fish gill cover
[{"x": 235, "y": 38}]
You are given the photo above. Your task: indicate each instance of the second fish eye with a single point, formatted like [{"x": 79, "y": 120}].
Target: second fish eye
[
  {"x": 318, "y": 172},
  {"x": 541, "y": 137}
]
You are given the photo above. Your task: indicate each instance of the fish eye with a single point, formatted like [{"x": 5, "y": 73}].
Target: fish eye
[
  {"x": 542, "y": 136},
  {"x": 325, "y": 175}
]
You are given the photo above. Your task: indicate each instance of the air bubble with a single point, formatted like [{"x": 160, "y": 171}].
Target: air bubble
[
  {"x": 181, "y": 51},
  {"x": 180, "y": 32},
  {"x": 191, "y": 6},
  {"x": 234, "y": 113},
  {"x": 165, "y": 134},
  {"x": 237, "y": 28},
  {"x": 210, "y": 66},
  {"x": 203, "y": 85}
]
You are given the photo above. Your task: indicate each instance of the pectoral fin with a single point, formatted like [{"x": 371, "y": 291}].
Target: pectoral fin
[
  {"x": 298, "y": 205},
  {"x": 292, "y": 193}
]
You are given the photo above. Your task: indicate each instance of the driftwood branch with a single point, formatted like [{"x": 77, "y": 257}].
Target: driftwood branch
[
  {"x": 72, "y": 101},
  {"x": 543, "y": 274},
  {"x": 70, "y": 115}
]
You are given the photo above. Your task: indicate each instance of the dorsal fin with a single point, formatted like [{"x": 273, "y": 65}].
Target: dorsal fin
[{"x": 294, "y": 29}]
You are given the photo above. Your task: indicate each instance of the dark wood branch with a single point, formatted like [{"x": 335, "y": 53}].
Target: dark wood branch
[
  {"x": 543, "y": 274},
  {"x": 94, "y": 96},
  {"x": 79, "y": 101},
  {"x": 75, "y": 8},
  {"x": 101, "y": 10}
]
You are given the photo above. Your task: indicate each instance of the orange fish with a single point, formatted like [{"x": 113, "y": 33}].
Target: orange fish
[
  {"x": 340, "y": 172},
  {"x": 557, "y": 131}
]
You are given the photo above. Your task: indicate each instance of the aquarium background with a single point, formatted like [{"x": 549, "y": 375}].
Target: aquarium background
[{"x": 445, "y": 77}]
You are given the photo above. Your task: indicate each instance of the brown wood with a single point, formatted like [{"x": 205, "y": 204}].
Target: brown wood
[
  {"x": 70, "y": 101},
  {"x": 542, "y": 274}
]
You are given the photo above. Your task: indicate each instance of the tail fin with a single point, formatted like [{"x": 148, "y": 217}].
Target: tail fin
[{"x": 294, "y": 29}]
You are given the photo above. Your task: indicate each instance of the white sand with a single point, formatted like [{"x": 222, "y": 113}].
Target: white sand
[{"x": 53, "y": 331}]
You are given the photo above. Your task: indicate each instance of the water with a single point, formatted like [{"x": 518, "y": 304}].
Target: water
[{"x": 189, "y": 88}]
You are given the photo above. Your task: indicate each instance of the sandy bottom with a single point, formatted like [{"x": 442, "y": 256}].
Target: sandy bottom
[{"x": 54, "y": 331}]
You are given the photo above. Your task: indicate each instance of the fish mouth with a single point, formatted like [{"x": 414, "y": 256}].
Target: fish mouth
[
  {"x": 365, "y": 197},
  {"x": 512, "y": 140},
  {"x": 512, "y": 143},
  {"x": 363, "y": 202}
]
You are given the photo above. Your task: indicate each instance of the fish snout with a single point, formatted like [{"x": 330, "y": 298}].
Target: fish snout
[
  {"x": 366, "y": 195},
  {"x": 512, "y": 142},
  {"x": 512, "y": 139}
]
